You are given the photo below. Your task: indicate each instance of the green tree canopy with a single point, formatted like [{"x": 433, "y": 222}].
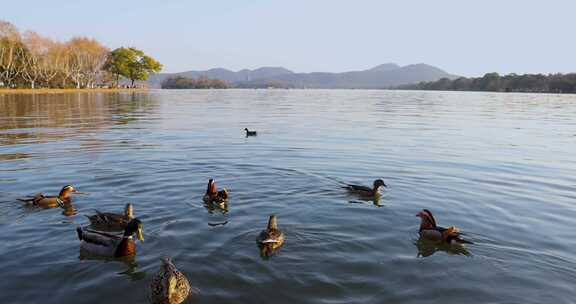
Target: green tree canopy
[
  {"x": 132, "y": 64},
  {"x": 551, "y": 83},
  {"x": 202, "y": 82}
]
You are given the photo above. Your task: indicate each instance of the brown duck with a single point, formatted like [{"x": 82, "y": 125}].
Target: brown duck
[
  {"x": 367, "y": 191},
  {"x": 271, "y": 238},
  {"x": 112, "y": 221},
  {"x": 169, "y": 285},
  {"x": 52, "y": 201},
  {"x": 212, "y": 194},
  {"x": 430, "y": 231}
]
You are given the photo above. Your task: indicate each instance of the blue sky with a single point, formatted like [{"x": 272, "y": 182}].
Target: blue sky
[{"x": 463, "y": 37}]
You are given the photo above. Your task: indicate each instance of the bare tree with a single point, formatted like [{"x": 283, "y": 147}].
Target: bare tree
[
  {"x": 33, "y": 64},
  {"x": 95, "y": 63},
  {"x": 51, "y": 61},
  {"x": 77, "y": 61},
  {"x": 11, "y": 50},
  {"x": 87, "y": 58},
  {"x": 67, "y": 66}
]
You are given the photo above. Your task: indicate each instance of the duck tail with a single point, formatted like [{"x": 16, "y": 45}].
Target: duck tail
[
  {"x": 26, "y": 200},
  {"x": 79, "y": 232}
]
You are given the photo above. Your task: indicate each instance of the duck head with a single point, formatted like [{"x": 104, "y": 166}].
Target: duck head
[
  {"x": 129, "y": 211},
  {"x": 427, "y": 220},
  {"x": 66, "y": 191},
  {"x": 379, "y": 183},
  {"x": 272, "y": 223},
  {"x": 246, "y": 129},
  {"x": 134, "y": 227},
  {"x": 211, "y": 188},
  {"x": 166, "y": 262}
]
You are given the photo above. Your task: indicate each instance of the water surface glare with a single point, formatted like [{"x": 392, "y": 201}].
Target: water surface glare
[{"x": 499, "y": 166}]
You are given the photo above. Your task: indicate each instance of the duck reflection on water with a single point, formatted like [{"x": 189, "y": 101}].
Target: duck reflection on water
[
  {"x": 376, "y": 201},
  {"x": 131, "y": 272},
  {"x": 214, "y": 207},
  {"x": 69, "y": 209},
  {"x": 427, "y": 247}
]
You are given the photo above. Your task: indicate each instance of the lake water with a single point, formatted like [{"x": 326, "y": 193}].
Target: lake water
[{"x": 499, "y": 166}]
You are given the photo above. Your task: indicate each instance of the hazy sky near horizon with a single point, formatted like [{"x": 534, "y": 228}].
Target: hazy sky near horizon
[{"x": 467, "y": 38}]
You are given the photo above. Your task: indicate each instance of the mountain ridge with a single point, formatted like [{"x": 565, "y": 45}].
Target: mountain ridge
[{"x": 378, "y": 77}]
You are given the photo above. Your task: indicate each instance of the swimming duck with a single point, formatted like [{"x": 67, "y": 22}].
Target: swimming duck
[
  {"x": 367, "y": 191},
  {"x": 112, "y": 221},
  {"x": 169, "y": 285},
  {"x": 429, "y": 230},
  {"x": 111, "y": 245},
  {"x": 250, "y": 133},
  {"x": 271, "y": 238},
  {"x": 52, "y": 201},
  {"x": 213, "y": 195}
]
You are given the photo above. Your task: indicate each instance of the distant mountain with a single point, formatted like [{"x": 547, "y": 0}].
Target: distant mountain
[
  {"x": 385, "y": 67},
  {"x": 231, "y": 77},
  {"x": 379, "y": 77}
]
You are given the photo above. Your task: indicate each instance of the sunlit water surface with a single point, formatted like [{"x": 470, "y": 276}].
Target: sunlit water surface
[{"x": 499, "y": 166}]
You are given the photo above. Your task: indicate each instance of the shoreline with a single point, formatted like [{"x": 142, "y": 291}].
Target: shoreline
[{"x": 63, "y": 91}]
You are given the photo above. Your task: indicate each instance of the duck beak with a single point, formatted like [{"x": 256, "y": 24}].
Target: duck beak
[
  {"x": 139, "y": 234},
  {"x": 75, "y": 191}
]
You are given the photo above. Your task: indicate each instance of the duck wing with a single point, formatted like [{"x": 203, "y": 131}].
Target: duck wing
[
  {"x": 220, "y": 197},
  {"x": 106, "y": 217},
  {"x": 263, "y": 237},
  {"x": 210, "y": 198},
  {"x": 453, "y": 234},
  {"x": 270, "y": 236},
  {"x": 98, "y": 237},
  {"x": 431, "y": 234},
  {"x": 35, "y": 198},
  {"x": 357, "y": 188}
]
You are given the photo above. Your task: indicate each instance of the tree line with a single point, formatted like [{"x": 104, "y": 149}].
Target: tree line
[
  {"x": 540, "y": 83},
  {"x": 33, "y": 61},
  {"x": 203, "y": 82}
]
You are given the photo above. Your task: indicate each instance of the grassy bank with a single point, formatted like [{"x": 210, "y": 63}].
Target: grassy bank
[{"x": 62, "y": 91}]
